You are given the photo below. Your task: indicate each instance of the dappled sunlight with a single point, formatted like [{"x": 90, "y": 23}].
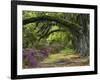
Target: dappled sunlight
[{"x": 55, "y": 39}]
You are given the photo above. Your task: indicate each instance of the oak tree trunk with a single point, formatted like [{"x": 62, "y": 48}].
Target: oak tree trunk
[{"x": 81, "y": 41}]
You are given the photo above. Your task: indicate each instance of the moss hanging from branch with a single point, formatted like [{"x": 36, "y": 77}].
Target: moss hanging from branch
[{"x": 60, "y": 21}]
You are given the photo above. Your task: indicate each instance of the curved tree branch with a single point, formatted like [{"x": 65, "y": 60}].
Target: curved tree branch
[
  {"x": 46, "y": 35},
  {"x": 63, "y": 22},
  {"x": 57, "y": 30}
]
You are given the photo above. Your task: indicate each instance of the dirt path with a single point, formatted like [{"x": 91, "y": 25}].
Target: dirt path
[{"x": 63, "y": 60}]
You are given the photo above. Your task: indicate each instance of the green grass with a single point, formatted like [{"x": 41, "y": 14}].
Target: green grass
[
  {"x": 65, "y": 54},
  {"x": 65, "y": 57},
  {"x": 67, "y": 51},
  {"x": 58, "y": 60},
  {"x": 54, "y": 57}
]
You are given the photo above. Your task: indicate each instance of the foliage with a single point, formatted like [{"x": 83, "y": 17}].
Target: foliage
[{"x": 54, "y": 37}]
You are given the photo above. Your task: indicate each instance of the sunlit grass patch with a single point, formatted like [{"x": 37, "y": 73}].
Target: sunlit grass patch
[
  {"x": 59, "y": 57},
  {"x": 67, "y": 51},
  {"x": 54, "y": 57}
]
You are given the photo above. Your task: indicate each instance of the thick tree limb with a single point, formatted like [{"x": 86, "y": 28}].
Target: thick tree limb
[{"x": 60, "y": 21}]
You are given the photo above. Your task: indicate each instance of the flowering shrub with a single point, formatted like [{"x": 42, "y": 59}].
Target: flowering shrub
[
  {"x": 29, "y": 58},
  {"x": 32, "y": 57}
]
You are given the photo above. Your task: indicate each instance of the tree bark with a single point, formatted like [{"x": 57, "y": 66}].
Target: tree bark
[{"x": 81, "y": 42}]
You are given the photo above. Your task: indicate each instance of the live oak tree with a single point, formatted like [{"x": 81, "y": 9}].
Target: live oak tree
[{"x": 76, "y": 25}]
